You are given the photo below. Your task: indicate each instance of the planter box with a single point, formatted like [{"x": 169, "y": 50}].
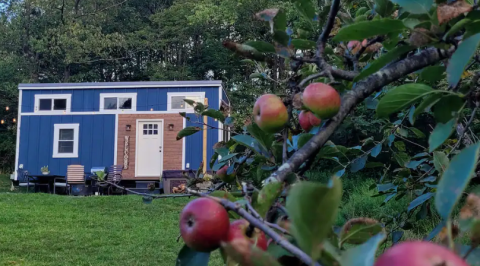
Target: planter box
[{"x": 174, "y": 178}]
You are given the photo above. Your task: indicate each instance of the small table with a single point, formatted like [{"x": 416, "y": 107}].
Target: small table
[{"x": 46, "y": 179}]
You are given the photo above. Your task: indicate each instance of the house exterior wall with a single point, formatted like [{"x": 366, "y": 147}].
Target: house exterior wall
[
  {"x": 101, "y": 135},
  {"x": 96, "y": 142},
  {"x": 172, "y": 149}
]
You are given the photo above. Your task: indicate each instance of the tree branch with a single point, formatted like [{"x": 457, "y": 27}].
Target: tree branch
[
  {"x": 363, "y": 89},
  {"x": 329, "y": 26},
  {"x": 260, "y": 225}
]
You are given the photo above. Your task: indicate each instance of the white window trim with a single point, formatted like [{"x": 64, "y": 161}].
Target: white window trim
[
  {"x": 118, "y": 95},
  {"x": 189, "y": 108},
  {"x": 68, "y": 97},
  {"x": 56, "y": 136}
]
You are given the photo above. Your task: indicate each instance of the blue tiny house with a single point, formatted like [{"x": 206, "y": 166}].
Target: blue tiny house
[{"x": 133, "y": 124}]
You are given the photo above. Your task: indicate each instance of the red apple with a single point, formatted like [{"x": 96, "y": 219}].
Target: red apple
[
  {"x": 321, "y": 99},
  {"x": 270, "y": 113},
  {"x": 238, "y": 229},
  {"x": 419, "y": 253},
  {"x": 222, "y": 174},
  {"x": 204, "y": 223},
  {"x": 308, "y": 120}
]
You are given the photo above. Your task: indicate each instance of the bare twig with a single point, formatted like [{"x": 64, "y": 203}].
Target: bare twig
[
  {"x": 329, "y": 25},
  {"x": 311, "y": 77},
  {"x": 277, "y": 227},
  {"x": 263, "y": 227},
  {"x": 411, "y": 142},
  {"x": 472, "y": 248},
  {"x": 472, "y": 116},
  {"x": 285, "y": 149}
]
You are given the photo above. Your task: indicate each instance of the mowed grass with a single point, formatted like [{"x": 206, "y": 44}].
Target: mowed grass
[{"x": 42, "y": 229}]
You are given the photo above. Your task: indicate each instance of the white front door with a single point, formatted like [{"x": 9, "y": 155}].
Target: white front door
[{"x": 149, "y": 148}]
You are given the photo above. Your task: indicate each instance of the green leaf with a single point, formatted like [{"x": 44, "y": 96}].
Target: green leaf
[
  {"x": 228, "y": 157},
  {"x": 359, "y": 233},
  {"x": 189, "y": 102},
  {"x": 361, "y": 11},
  {"x": 400, "y": 145},
  {"x": 213, "y": 159},
  {"x": 440, "y": 134},
  {"x": 455, "y": 179},
  {"x": 217, "y": 166},
  {"x": 371, "y": 103},
  {"x": 440, "y": 160},
  {"x": 374, "y": 165},
  {"x": 303, "y": 139},
  {"x": 367, "y": 29},
  {"x": 358, "y": 164},
  {"x": 447, "y": 107},
  {"x": 281, "y": 37},
  {"x": 384, "y": 7},
  {"x": 304, "y": 44},
  {"x": 471, "y": 29},
  {"x": 376, "y": 150},
  {"x": 267, "y": 196},
  {"x": 214, "y": 114},
  {"x": 188, "y": 257},
  {"x": 187, "y": 132},
  {"x": 256, "y": 75},
  {"x": 264, "y": 138},
  {"x": 419, "y": 134},
  {"x": 400, "y": 97},
  {"x": 306, "y": 8},
  {"x": 457, "y": 27},
  {"x": 247, "y": 141},
  {"x": 427, "y": 103},
  {"x": 245, "y": 254},
  {"x": 261, "y": 46},
  {"x": 229, "y": 121},
  {"x": 280, "y": 20},
  {"x": 473, "y": 258},
  {"x": 401, "y": 158},
  {"x": 460, "y": 59},
  {"x": 419, "y": 200},
  {"x": 278, "y": 251},
  {"x": 415, "y": 6},
  {"x": 432, "y": 73},
  {"x": 312, "y": 208},
  {"x": 363, "y": 255}
]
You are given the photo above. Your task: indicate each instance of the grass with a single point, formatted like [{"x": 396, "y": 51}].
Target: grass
[{"x": 42, "y": 229}]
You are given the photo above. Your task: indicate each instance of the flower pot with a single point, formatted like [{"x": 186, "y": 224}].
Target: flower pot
[{"x": 45, "y": 173}]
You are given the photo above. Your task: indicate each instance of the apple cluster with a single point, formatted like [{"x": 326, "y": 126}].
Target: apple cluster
[
  {"x": 204, "y": 225},
  {"x": 319, "y": 101}
]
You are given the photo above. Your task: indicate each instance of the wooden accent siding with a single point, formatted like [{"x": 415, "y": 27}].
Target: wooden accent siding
[{"x": 172, "y": 149}]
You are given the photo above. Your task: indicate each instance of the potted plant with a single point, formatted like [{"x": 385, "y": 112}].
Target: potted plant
[
  {"x": 101, "y": 178},
  {"x": 45, "y": 170}
]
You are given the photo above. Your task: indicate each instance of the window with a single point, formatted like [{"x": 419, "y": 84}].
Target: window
[
  {"x": 53, "y": 103},
  {"x": 176, "y": 100},
  {"x": 118, "y": 102},
  {"x": 150, "y": 129},
  {"x": 65, "y": 141}
]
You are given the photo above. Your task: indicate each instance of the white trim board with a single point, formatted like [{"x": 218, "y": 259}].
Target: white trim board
[
  {"x": 115, "y": 148},
  {"x": 56, "y": 138},
  {"x": 19, "y": 123},
  {"x": 38, "y": 97},
  {"x": 188, "y": 108},
  {"x": 116, "y": 87},
  {"x": 106, "y": 113},
  {"x": 136, "y": 142},
  {"x": 132, "y": 95},
  {"x": 184, "y": 145}
]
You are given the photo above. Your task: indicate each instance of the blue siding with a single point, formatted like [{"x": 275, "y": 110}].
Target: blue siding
[
  {"x": 88, "y": 100},
  {"x": 96, "y": 142},
  {"x": 96, "y": 147},
  {"x": 194, "y": 143}
]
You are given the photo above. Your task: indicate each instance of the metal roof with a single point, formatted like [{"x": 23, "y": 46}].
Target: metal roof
[{"x": 113, "y": 85}]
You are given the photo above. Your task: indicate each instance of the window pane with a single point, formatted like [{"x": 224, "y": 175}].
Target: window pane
[
  {"x": 144, "y": 126},
  {"x": 155, "y": 126},
  {"x": 155, "y": 132},
  {"x": 66, "y": 134},
  {"x": 195, "y": 98},
  {"x": 178, "y": 103},
  {"x": 125, "y": 103},
  {"x": 65, "y": 147},
  {"x": 110, "y": 103},
  {"x": 145, "y": 132},
  {"x": 150, "y": 126},
  {"x": 60, "y": 104},
  {"x": 45, "y": 105}
]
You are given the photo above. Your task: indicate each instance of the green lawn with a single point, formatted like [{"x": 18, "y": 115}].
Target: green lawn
[{"x": 41, "y": 229}]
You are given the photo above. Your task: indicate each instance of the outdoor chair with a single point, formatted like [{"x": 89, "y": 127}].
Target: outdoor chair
[
  {"x": 24, "y": 180},
  {"x": 75, "y": 176},
  {"x": 114, "y": 176}
]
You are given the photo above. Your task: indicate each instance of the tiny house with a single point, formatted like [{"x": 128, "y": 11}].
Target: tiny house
[{"x": 133, "y": 124}]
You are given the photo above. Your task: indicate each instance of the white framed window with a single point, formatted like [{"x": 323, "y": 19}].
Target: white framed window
[
  {"x": 65, "y": 140},
  {"x": 118, "y": 102},
  {"x": 53, "y": 103},
  {"x": 176, "y": 101}
]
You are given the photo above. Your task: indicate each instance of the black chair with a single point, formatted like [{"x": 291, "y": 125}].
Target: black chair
[
  {"x": 114, "y": 176},
  {"x": 24, "y": 180}
]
